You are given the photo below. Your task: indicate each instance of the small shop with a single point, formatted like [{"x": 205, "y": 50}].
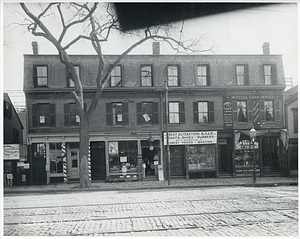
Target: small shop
[{"x": 193, "y": 154}]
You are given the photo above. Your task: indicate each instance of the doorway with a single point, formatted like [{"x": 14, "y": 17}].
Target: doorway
[
  {"x": 98, "y": 162},
  {"x": 225, "y": 165},
  {"x": 177, "y": 167}
]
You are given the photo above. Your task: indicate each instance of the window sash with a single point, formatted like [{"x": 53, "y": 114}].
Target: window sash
[
  {"x": 240, "y": 74},
  {"x": 174, "y": 112},
  {"x": 70, "y": 81},
  {"x": 268, "y": 74},
  {"x": 146, "y": 75},
  {"x": 116, "y": 77},
  {"x": 201, "y": 75},
  {"x": 41, "y": 76},
  {"x": 242, "y": 111},
  {"x": 173, "y": 79},
  {"x": 203, "y": 112},
  {"x": 269, "y": 110},
  {"x": 117, "y": 113}
]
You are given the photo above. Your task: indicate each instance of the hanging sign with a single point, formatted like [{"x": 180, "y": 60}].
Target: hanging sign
[
  {"x": 11, "y": 151},
  {"x": 186, "y": 138}
]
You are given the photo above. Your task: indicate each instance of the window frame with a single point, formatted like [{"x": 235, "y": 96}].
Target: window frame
[
  {"x": 207, "y": 75},
  {"x": 178, "y": 74},
  {"x": 273, "y": 111},
  {"x": 70, "y": 83},
  {"x": 210, "y": 112},
  {"x": 118, "y": 76},
  {"x": 36, "y": 115},
  {"x": 237, "y": 111},
  {"x": 142, "y": 77},
  {"x": 272, "y": 74},
  {"x": 180, "y": 114},
  {"x": 110, "y": 114},
  {"x": 68, "y": 115},
  {"x": 245, "y": 75},
  {"x": 154, "y": 117},
  {"x": 36, "y": 77},
  {"x": 57, "y": 159}
]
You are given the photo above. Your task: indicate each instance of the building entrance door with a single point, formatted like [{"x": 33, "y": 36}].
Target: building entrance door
[
  {"x": 73, "y": 167},
  {"x": 177, "y": 161},
  {"x": 224, "y": 159},
  {"x": 98, "y": 160}
]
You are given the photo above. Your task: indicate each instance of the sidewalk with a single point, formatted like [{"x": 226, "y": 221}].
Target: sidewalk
[{"x": 139, "y": 185}]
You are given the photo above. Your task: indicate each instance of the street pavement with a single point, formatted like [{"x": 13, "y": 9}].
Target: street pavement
[
  {"x": 139, "y": 185},
  {"x": 202, "y": 211}
]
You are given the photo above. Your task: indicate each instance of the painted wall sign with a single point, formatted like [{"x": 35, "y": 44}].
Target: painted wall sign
[
  {"x": 185, "y": 138},
  {"x": 252, "y": 97},
  {"x": 227, "y": 114},
  {"x": 11, "y": 151}
]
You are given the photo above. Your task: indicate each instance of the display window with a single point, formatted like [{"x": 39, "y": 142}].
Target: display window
[
  {"x": 123, "y": 156},
  {"x": 201, "y": 157},
  {"x": 56, "y": 163}
]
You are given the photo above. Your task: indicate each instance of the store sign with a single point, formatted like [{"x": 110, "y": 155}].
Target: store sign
[
  {"x": 186, "y": 138},
  {"x": 245, "y": 144},
  {"x": 11, "y": 151}
]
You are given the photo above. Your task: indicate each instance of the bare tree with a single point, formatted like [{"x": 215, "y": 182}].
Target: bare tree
[{"x": 97, "y": 22}]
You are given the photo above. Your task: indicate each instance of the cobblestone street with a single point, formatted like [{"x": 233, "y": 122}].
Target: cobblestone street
[{"x": 226, "y": 212}]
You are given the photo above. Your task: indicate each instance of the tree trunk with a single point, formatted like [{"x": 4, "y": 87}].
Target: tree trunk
[{"x": 84, "y": 180}]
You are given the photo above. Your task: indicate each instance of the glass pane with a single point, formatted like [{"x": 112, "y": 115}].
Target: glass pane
[
  {"x": 74, "y": 158},
  {"x": 242, "y": 111},
  {"x": 269, "y": 110},
  {"x": 203, "y": 112}
]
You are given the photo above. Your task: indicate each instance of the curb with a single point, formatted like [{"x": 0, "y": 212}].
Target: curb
[{"x": 96, "y": 189}]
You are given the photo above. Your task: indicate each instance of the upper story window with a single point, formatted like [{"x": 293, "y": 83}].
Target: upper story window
[
  {"x": 295, "y": 119},
  {"x": 202, "y": 75},
  {"x": 71, "y": 117},
  {"x": 70, "y": 82},
  {"x": 241, "y": 74},
  {"x": 173, "y": 75},
  {"x": 43, "y": 115},
  {"x": 7, "y": 109},
  {"x": 147, "y": 113},
  {"x": 40, "y": 76},
  {"x": 269, "y": 72},
  {"x": 269, "y": 110},
  {"x": 146, "y": 75},
  {"x": 239, "y": 109},
  {"x": 117, "y": 113},
  {"x": 204, "y": 112},
  {"x": 176, "y": 113},
  {"x": 116, "y": 76}
]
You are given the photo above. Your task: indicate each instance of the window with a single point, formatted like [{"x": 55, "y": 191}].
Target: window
[
  {"x": 204, "y": 112},
  {"x": 295, "y": 119},
  {"x": 56, "y": 160},
  {"x": 241, "y": 74},
  {"x": 269, "y": 72},
  {"x": 7, "y": 110},
  {"x": 173, "y": 75},
  {"x": 39, "y": 150},
  {"x": 70, "y": 82},
  {"x": 43, "y": 115},
  {"x": 239, "y": 111},
  {"x": 40, "y": 76},
  {"x": 147, "y": 113},
  {"x": 116, "y": 76},
  {"x": 176, "y": 112},
  {"x": 71, "y": 117},
  {"x": 146, "y": 75},
  {"x": 269, "y": 110},
  {"x": 117, "y": 114},
  {"x": 202, "y": 75}
]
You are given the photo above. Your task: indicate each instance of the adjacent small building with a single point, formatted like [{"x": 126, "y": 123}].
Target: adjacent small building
[{"x": 212, "y": 100}]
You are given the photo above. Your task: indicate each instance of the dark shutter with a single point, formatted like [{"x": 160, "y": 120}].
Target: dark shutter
[
  {"x": 208, "y": 74},
  {"x": 211, "y": 116},
  {"x": 246, "y": 75},
  {"x": 155, "y": 113},
  {"x": 108, "y": 114},
  {"x": 139, "y": 113},
  {"x": 277, "y": 110},
  {"x": 234, "y": 111},
  {"x": 165, "y": 113},
  {"x": 66, "y": 115},
  {"x": 195, "y": 110},
  {"x": 125, "y": 114},
  {"x": 262, "y": 111},
  {"x": 250, "y": 110},
  {"x": 182, "y": 113},
  {"x": 52, "y": 115},
  {"x": 35, "y": 77},
  {"x": 274, "y": 74},
  {"x": 35, "y": 116}
]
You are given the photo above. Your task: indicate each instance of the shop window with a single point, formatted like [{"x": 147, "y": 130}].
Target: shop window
[
  {"x": 117, "y": 114},
  {"x": 7, "y": 110},
  {"x": 241, "y": 74},
  {"x": 202, "y": 75},
  {"x": 176, "y": 112},
  {"x": 43, "y": 115},
  {"x": 70, "y": 82},
  {"x": 295, "y": 119},
  {"x": 203, "y": 112},
  {"x": 123, "y": 156},
  {"x": 269, "y": 72},
  {"x": 147, "y": 113},
  {"x": 39, "y": 150},
  {"x": 74, "y": 158},
  {"x": 40, "y": 74},
  {"x": 71, "y": 117},
  {"x": 239, "y": 109},
  {"x": 201, "y": 157},
  {"x": 116, "y": 76},
  {"x": 146, "y": 75},
  {"x": 269, "y": 110},
  {"x": 56, "y": 160},
  {"x": 173, "y": 75}
]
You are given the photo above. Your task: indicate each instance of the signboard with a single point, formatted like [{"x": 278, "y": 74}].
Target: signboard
[
  {"x": 113, "y": 148},
  {"x": 227, "y": 114},
  {"x": 11, "y": 151},
  {"x": 186, "y": 138},
  {"x": 253, "y": 97},
  {"x": 245, "y": 144}
]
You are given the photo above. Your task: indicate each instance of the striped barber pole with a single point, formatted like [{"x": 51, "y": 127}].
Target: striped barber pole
[
  {"x": 44, "y": 150},
  {"x": 89, "y": 164},
  {"x": 256, "y": 112},
  {"x": 64, "y": 158}
]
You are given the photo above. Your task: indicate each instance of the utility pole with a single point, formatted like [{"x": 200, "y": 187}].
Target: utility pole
[{"x": 167, "y": 131}]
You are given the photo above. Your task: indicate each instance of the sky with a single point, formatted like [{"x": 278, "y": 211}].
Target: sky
[{"x": 239, "y": 32}]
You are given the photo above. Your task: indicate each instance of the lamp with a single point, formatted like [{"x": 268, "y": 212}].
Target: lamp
[
  {"x": 151, "y": 140},
  {"x": 252, "y": 137},
  {"x": 252, "y": 134}
]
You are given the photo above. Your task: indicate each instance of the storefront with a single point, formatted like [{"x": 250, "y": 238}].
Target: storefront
[{"x": 193, "y": 154}]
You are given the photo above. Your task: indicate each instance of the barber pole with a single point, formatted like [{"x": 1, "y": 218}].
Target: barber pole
[
  {"x": 89, "y": 164},
  {"x": 64, "y": 159},
  {"x": 44, "y": 150},
  {"x": 256, "y": 113}
]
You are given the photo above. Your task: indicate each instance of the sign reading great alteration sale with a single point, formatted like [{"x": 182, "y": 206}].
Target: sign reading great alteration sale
[{"x": 186, "y": 138}]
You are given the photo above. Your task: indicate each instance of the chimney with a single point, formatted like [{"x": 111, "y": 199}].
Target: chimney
[
  {"x": 156, "y": 48},
  {"x": 35, "y": 48},
  {"x": 266, "y": 48}
]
